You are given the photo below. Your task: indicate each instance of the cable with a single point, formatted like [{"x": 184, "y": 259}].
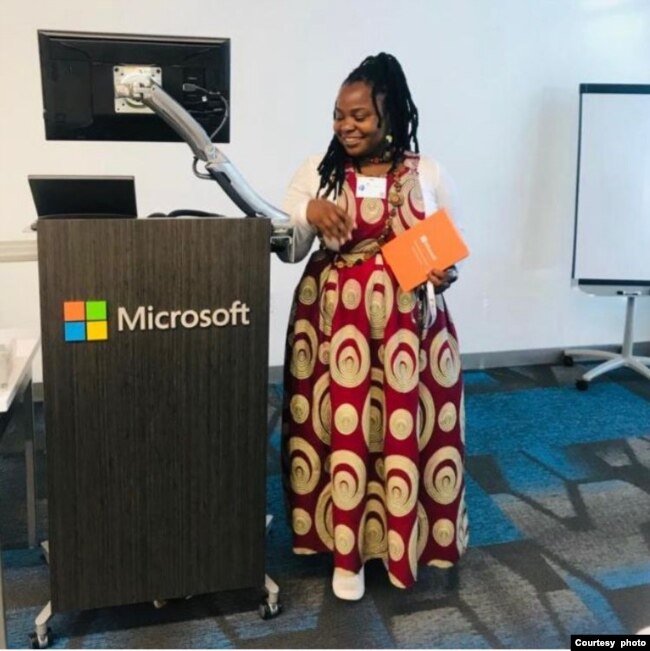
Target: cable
[
  {"x": 190, "y": 88},
  {"x": 200, "y": 175},
  {"x": 185, "y": 212}
]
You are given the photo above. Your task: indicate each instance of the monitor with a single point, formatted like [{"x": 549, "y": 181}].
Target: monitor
[
  {"x": 79, "y": 72},
  {"x": 91, "y": 197}
]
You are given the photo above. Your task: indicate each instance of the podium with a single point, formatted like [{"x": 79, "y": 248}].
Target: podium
[{"x": 155, "y": 369}]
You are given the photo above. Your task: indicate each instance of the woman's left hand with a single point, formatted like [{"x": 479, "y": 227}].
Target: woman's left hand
[{"x": 441, "y": 279}]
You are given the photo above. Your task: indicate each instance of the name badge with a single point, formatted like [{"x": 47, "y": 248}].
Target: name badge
[{"x": 373, "y": 187}]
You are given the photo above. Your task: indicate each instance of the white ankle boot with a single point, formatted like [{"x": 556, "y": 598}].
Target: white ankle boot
[{"x": 347, "y": 585}]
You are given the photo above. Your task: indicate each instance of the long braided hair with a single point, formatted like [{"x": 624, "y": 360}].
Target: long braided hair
[{"x": 384, "y": 74}]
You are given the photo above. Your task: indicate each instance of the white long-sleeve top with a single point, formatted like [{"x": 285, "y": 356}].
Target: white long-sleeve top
[{"x": 438, "y": 191}]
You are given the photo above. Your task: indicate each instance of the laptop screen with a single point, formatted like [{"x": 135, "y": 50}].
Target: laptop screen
[{"x": 91, "y": 197}]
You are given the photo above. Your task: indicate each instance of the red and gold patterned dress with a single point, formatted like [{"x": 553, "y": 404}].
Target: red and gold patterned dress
[{"x": 373, "y": 422}]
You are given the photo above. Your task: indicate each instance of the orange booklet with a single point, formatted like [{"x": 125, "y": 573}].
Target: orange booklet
[{"x": 434, "y": 243}]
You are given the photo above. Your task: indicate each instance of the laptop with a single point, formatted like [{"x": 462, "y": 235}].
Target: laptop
[{"x": 83, "y": 197}]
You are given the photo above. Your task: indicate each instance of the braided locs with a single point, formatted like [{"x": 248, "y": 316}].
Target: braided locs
[{"x": 384, "y": 74}]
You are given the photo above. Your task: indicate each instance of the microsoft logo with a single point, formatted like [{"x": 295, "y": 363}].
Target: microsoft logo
[
  {"x": 85, "y": 321},
  {"x": 88, "y": 320}
]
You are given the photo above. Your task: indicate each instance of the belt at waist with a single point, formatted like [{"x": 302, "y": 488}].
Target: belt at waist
[{"x": 361, "y": 252}]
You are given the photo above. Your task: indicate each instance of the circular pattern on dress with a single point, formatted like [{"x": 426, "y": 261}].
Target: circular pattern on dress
[
  {"x": 447, "y": 417},
  {"x": 324, "y": 353},
  {"x": 405, "y": 301},
  {"x": 443, "y": 531},
  {"x": 374, "y": 516},
  {"x": 304, "y": 350},
  {"x": 375, "y": 440},
  {"x": 401, "y": 484},
  {"x": 380, "y": 469},
  {"x": 443, "y": 475},
  {"x": 413, "y": 205},
  {"x": 442, "y": 564},
  {"x": 324, "y": 518},
  {"x": 343, "y": 539},
  {"x": 423, "y": 360},
  {"x": 346, "y": 418},
  {"x": 308, "y": 291},
  {"x": 321, "y": 409},
  {"x": 351, "y": 294},
  {"x": 371, "y": 210},
  {"x": 329, "y": 276},
  {"x": 396, "y": 545},
  {"x": 329, "y": 299},
  {"x": 304, "y": 551},
  {"x": 426, "y": 416},
  {"x": 379, "y": 298},
  {"x": 413, "y": 551},
  {"x": 365, "y": 419},
  {"x": 299, "y": 407},
  {"x": 301, "y": 521},
  {"x": 349, "y": 357},
  {"x": 423, "y": 529},
  {"x": 401, "y": 361},
  {"x": 411, "y": 210},
  {"x": 400, "y": 424},
  {"x": 348, "y": 474},
  {"x": 305, "y": 466},
  {"x": 395, "y": 581},
  {"x": 462, "y": 526},
  {"x": 444, "y": 359},
  {"x": 414, "y": 194}
]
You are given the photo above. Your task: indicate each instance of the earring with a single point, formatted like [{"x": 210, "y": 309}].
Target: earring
[{"x": 388, "y": 148}]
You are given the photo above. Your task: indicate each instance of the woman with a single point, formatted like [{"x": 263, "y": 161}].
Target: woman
[{"x": 373, "y": 425}]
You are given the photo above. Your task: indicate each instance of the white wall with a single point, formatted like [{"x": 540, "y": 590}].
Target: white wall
[{"x": 496, "y": 82}]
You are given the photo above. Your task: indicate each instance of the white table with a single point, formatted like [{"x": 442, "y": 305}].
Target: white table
[
  {"x": 22, "y": 249},
  {"x": 17, "y": 397}
]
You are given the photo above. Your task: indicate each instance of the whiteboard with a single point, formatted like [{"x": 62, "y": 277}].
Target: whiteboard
[{"x": 612, "y": 218}]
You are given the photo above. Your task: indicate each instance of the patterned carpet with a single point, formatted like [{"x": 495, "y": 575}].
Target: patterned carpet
[{"x": 559, "y": 504}]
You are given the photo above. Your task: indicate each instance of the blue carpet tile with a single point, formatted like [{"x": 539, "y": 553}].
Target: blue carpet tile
[{"x": 558, "y": 490}]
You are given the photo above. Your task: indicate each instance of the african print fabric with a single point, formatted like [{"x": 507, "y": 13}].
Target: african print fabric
[{"x": 373, "y": 423}]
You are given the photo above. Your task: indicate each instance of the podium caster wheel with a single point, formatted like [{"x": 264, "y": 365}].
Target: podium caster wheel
[
  {"x": 159, "y": 603},
  {"x": 582, "y": 385},
  {"x": 269, "y": 611},
  {"x": 567, "y": 360},
  {"x": 37, "y": 641}
]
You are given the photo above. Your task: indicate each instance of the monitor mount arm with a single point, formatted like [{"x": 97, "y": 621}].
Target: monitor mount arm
[{"x": 140, "y": 87}]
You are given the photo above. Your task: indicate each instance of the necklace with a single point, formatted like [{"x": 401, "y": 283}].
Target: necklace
[
  {"x": 356, "y": 256},
  {"x": 395, "y": 198},
  {"x": 385, "y": 157}
]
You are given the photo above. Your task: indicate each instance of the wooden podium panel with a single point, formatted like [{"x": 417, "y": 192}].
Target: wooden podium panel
[{"x": 156, "y": 438}]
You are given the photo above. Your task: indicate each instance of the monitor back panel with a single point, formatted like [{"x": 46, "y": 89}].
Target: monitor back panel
[{"x": 83, "y": 196}]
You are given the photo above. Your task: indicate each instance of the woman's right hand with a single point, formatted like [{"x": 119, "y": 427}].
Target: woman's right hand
[
  {"x": 441, "y": 279},
  {"x": 329, "y": 220}
]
